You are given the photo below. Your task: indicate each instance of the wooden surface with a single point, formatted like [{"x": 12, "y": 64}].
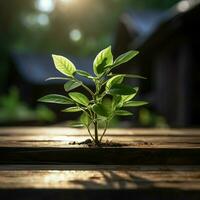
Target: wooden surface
[
  {"x": 38, "y": 163},
  {"x": 99, "y": 182},
  {"x": 100, "y": 177},
  {"x": 60, "y": 137},
  {"x": 145, "y": 146}
]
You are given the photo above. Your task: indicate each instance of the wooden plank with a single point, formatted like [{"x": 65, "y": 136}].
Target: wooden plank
[
  {"x": 99, "y": 155},
  {"x": 73, "y": 131},
  {"x": 152, "y": 182},
  {"x": 60, "y": 137},
  {"x": 112, "y": 177},
  {"x": 131, "y": 141},
  {"x": 144, "y": 146}
]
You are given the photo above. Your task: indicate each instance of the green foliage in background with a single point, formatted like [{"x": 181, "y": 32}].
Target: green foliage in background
[
  {"x": 148, "y": 118},
  {"x": 13, "y": 110},
  {"x": 96, "y": 109}
]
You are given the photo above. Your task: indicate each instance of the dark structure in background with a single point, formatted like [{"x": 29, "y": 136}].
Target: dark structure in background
[
  {"x": 29, "y": 72},
  {"x": 170, "y": 51}
]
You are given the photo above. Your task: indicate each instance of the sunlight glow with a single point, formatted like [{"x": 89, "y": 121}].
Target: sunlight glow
[
  {"x": 75, "y": 35},
  {"x": 183, "y": 6},
  {"x": 45, "y": 5},
  {"x": 66, "y": 1}
]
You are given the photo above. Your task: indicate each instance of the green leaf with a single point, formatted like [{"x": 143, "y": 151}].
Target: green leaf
[
  {"x": 72, "y": 109},
  {"x": 79, "y": 98},
  {"x": 55, "y": 98},
  {"x": 120, "y": 89},
  {"x": 85, "y": 119},
  {"x": 57, "y": 78},
  {"x": 116, "y": 102},
  {"x": 130, "y": 76},
  {"x": 107, "y": 103},
  {"x": 125, "y": 98},
  {"x": 134, "y": 103},
  {"x": 102, "y": 60},
  {"x": 117, "y": 79},
  {"x": 84, "y": 74},
  {"x": 70, "y": 85},
  {"x": 76, "y": 125},
  {"x": 64, "y": 65},
  {"x": 100, "y": 109},
  {"x": 123, "y": 113},
  {"x": 125, "y": 57},
  {"x": 134, "y": 76}
]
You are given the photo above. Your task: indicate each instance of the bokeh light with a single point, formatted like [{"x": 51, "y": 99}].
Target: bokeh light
[
  {"x": 45, "y": 5},
  {"x": 43, "y": 19},
  {"x": 38, "y": 19},
  {"x": 75, "y": 35}
]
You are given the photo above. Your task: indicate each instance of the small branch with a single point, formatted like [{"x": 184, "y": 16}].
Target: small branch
[
  {"x": 91, "y": 115},
  {"x": 84, "y": 86},
  {"x": 96, "y": 130},
  {"x": 106, "y": 127},
  {"x": 90, "y": 134},
  {"x": 88, "y": 89},
  {"x": 103, "y": 94},
  {"x": 88, "y": 127}
]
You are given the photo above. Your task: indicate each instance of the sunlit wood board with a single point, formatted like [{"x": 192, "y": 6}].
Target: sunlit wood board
[
  {"x": 84, "y": 182},
  {"x": 144, "y": 146},
  {"x": 61, "y": 137}
]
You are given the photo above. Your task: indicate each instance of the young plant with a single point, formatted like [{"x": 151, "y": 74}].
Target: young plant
[{"x": 95, "y": 108}]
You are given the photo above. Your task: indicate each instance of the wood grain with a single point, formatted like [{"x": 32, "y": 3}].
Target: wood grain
[
  {"x": 144, "y": 146},
  {"x": 61, "y": 137},
  {"x": 103, "y": 177},
  {"x": 44, "y": 182},
  {"x": 39, "y": 163}
]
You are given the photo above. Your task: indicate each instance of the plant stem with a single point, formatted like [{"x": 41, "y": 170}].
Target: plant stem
[
  {"x": 105, "y": 129},
  {"x": 90, "y": 133},
  {"x": 96, "y": 132},
  {"x": 88, "y": 89},
  {"x": 84, "y": 86}
]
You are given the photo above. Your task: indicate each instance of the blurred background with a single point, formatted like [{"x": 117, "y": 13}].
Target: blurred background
[{"x": 165, "y": 32}]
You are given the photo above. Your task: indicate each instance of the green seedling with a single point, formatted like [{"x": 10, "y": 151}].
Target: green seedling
[{"x": 95, "y": 109}]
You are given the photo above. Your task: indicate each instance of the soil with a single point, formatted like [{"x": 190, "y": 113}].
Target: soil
[{"x": 107, "y": 143}]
